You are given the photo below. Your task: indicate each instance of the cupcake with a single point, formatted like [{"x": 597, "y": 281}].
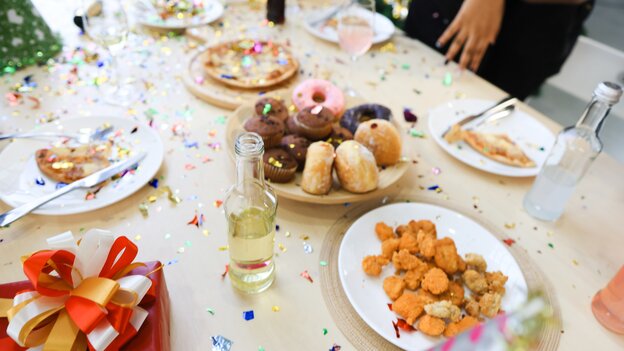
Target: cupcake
[
  {"x": 297, "y": 147},
  {"x": 290, "y": 127},
  {"x": 314, "y": 122},
  {"x": 279, "y": 166},
  {"x": 271, "y": 107},
  {"x": 270, "y": 129},
  {"x": 338, "y": 135}
]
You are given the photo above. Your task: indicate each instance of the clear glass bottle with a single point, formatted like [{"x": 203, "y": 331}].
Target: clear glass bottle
[
  {"x": 250, "y": 208},
  {"x": 574, "y": 151}
]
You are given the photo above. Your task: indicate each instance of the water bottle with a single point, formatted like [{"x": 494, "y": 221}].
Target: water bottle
[{"x": 574, "y": 151}]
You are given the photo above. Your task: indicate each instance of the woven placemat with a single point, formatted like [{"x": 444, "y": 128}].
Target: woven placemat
[{"x": 363, "y": 337}]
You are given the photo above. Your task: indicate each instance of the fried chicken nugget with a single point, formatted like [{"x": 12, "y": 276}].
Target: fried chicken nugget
[
  {"x": 393, "y": 286},
  {"x": 455, "y": 293},
  {"x": 414, "y": 276},
  {"x": 389, "y": 247},
  {"x": 496, "y": 282},
  {"x": 475, "y": 281},
  {"x": 424, "y": 225},
  {"x": 435, "y": 281},
  {"x": 427, "y": 296},
  {"x": 384, "y": 231},
  {"x": 401, "y": 229},
  {"x": 444, "y": 309},
  {"x": 472, "y": 308},
  {"x": 476, "y": 262},
  {"x": 431, "y": 326},
  {"x": 406, "y": 261},
  {"x": 446, "y": 256},
  {"x": 409, "y": 242},
  {"x": 426, "y": 244},
  {"x": 409, "y": 306},
  {"x": 490, "y": 304},
  {"x": 372, "y": 264},
  {"x": 459, "y": 327}
]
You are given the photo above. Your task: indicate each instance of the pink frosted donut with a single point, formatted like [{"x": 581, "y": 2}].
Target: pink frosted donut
[{"x": 319, "y": 92}]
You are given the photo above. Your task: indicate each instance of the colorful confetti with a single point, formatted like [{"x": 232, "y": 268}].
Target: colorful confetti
[
  {"x": 551, "y": 245},
  {"x": 307, "y": 276},
  {"x": 323, "y": 263},
  {"x": 225, "y": 272},
  {"x": 448, "y": 79},
  {"x": 40, "y": 181},
  {"x": 154, "y": 183},
  {"x": 409, "y": 116},
  {"x": 248, "y": 315},
  {"x": 210, "y": 310},
  {"x": 335, "y": 347},
  {"x": 416, "y": 133},
  {"x": 217, "y": 203},
  {"x": 510, "y": 225},
  {"x": 509, "y": 242},
  {"x": 275, "y": 308},
  {"x": 307, "y": 248},
  {"x": 325, "y": 331},
  {"x": 220, "y": 343}
]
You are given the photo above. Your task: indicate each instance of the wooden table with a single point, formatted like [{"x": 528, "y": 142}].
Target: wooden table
[{"x": 586, "y": 242}]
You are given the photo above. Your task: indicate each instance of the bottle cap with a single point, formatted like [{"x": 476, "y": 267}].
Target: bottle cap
[{"x": 608, "y": 92}]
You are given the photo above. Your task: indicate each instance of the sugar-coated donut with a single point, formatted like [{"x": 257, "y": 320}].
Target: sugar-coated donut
[
  {"x": 317, "y": 173},
  {"x": 382, "y": 139},
  {"x": 362, "y": 113},
  {"x": 356, "y": 168},
  {"x": 313, "y": 92}
]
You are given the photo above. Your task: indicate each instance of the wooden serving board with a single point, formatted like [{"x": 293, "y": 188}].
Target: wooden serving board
[{"x": 292, "y": 190}]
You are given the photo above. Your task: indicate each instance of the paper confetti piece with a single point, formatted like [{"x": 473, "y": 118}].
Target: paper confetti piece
[
  {"x": 221, "y": 120},
  {"x": 416, "y": 133},
  {"x": 323, "y": 263},
  {"x": 220, "y": 343},
  {"x": 144, "y": 209},
  {"x": 509, "y": 242},
  {"x": 287, "y": 234},
  {"x": 137, "y": 237},
  {"x": 40, "y": 181},
  {"x": 189, "y": 167},
  {"x": 180, "y": 250},
  {"x": 307, "y": 276},
  {"x": 206, "y": 232},
  {"x": 260, "y": 348},
  {"x": 217, "y": 203},
  {"x": 436, "y": 170},
  {"x": 60, "y": 185},
  {"x": 154, "y": 183},
  {"x": 448, "y": 79},
  {"x": 335, "y": 347},
  {"x": 223, "y": 248},
  {"x": 307, "y": 248},
  {"x": 510, "y": 225},
  {"x": 575, "y": 262},
  {"x": 248, "y": 315},
  {"x": 227, "y": 269},
  {"x": 433, "y": 188},
  {"x": 551, "y": 245},
  {"x": 409, "y": 116},
  {"x": 325, "y": 331},
  {"x": 194, "y": 221},
  {"x": 210, "y": 310},
  {"x": 281, "y": 247},
  {"x": 275, "y": 308}
]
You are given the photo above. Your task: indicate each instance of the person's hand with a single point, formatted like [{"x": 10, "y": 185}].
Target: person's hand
[{"x": 475, "y": 27}]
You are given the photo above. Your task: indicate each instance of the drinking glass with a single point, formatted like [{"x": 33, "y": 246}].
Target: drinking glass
[
  {"x": 356, "y": 23},
  {"x": 106, "y": 23},
  {"x": 608, "y": 304}
]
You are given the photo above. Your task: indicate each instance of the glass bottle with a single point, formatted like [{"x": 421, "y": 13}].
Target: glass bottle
[
  {"x": 250, "y": 207},
  {"x": 276, "y": 11},
  {"x": 574, "y": 151}
]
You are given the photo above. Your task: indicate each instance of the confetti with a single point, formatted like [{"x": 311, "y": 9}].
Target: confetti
[
  {"x": 509, "y": 242},
  {"x": 217, "y": 203},
  {"x": 260, "y": 348},
  {"x": 225, "y": 272},
  {"x": 575, "y": 262},
  {"x": 325, "y": 331},
  {"x": 221, "y": 120},
  {"x": 206, "y": 232},
  {"x": 210, "y": 310},
  {"x": 307, "y": 248},
  {"x": 194, "y": 221},
  {"x": 191, "y": 144},
  {"x": 281, "y": 247},
  {"x": 416, "y": 133},
  {"x": 436, "y": 170},
  {"x": 551, "y": 245},
  {"x": 223, "y": 248},
  {"x": 60, "y": 185},
  {"x": 137, "y": 237},
  {"x": 307, "y": 276},
  {"x": 188, "y": 243},
  {"x": 266, "y": 109},
  {"x": 510, "y": 225},
  {"x": 275, "y": 308},
  {"x": 40, "y": 181},
  {"x": 409, "y": 116},
  {"x": 154, "y": 183},
  {"x": 433, "y": 188},
  {"x": 389, "y": 47},
  {"x": 448, "y": 79},
  {"x": 550, "y": 233},
  {"x": 323, "y": 263},
  {"x": 248, "y": 315},
  {"x": 144, "y": 209},
  {"x": 287, "y": 234},
  {"x": 189, "y": 167},
  {"x": 180, "y": 250},
  {"x": 220, "y": 343},
  {"x": 335, "y": 347}
]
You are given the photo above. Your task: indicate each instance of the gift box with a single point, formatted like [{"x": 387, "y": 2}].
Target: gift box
[{"x": 152, "y": 333}]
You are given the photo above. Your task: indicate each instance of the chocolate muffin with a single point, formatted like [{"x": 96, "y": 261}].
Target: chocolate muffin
[
  {"x": 279, "y": 166},
  {"x": 290, "y": 126},
  {"x": 271, "y": 107},
  {"x": 297, "y": 147},
  {"x": 271, "y": 129},
  {"x": 338, "y": 135},
  {"x": 314, "y": 122}
]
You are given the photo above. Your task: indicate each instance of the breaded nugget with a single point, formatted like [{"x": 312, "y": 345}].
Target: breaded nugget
[
  {"x": 455, "y": 293},
  {"x": 372, "y": 264},
  {"x": 393, "y": 286},
  {"x": 446, "y": 255},
  {"x": 490, "y": 304},
  {"x": 384, "y": 231},
  {"x": 414, "y": 276},
  {"x": 496, "y": 282},
  {"x": 427, "y": 296},
  {"x": 435, "y": 281},
  {"x": 431, "y": 326},
  {"x": 424, "y": 225},
  {"x": 476, "y": 262},
  {"x": 408, "y": 242},
  {"x": 459, "y": 327},
  {"x": 472, "y": 307},
  {"x": 444, "y": 309},
  {"x": 401, "y": 229},
  {"x": 404, "y": 260},
  {"x": 388, "y": 247},
  {"x": 426, "y": 244},
  {"x": 409, "y": 306},
  {"x": 461, "y": 264},
  {"x": 475, "y": 281}
]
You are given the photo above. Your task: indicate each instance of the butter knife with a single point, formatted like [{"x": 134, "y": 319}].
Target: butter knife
[
  {"x": 87, "y": 182},
  {"x": 502, "y": 105}
]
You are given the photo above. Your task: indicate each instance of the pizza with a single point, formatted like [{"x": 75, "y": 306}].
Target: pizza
[
  {"x": 69, "y": 164},
  {"x": 498, "y": 147},
  {"x": 250, "y": 64}
]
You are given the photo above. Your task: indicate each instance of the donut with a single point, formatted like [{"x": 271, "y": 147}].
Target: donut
[
  {"x": 314, "y": 92},
  {"x": 352, "y": 117}
]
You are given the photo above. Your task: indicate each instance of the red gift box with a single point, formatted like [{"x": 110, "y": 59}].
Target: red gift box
[{"x": 154, "y": 333}]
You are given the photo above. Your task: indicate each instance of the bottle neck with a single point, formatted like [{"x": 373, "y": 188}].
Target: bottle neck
[
  {"x": 594, "y": 115},
  {"x": 249, "y": 168}
]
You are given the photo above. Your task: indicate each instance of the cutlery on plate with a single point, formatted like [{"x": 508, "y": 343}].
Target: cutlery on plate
[
  {"x": 98, "y": 135},
  {"x": 498, "y": 107},
  {"x": 493, "y": 117},
  {"x": 87, "y": 182},
  {"x": 329, "y": 15}
]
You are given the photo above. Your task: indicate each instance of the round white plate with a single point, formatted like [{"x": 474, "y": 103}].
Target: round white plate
[
  {"x": 530, "y": 135},
  {"x": 213, "y": 11},
  {"x": 383, "y": 27},
  {"x": 19, "y": 170},
  {"x": 366, "y": 293}
]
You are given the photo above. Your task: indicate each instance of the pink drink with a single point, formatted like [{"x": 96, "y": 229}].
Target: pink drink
[
  {"x": 355, "y": 35},
  {"x": 608, "y": 304}
]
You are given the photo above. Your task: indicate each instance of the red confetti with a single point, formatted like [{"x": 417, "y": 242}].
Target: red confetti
[
  {"x": 401, "y": 323},
  {"x": 194, "y": 221},
  {"x": 218, "y": 203},
  {"x": 396, "y": 330},
  {"x": 206, "y": 159},
  {"x": 227, "y": 269},
  {"x": 390, "y": 306},
  {"x": 509, "y": 241},
  {"x": 189, "y": 167},
  {"x": 36, "y": 102},
  {"x": 306, "y": 275}
]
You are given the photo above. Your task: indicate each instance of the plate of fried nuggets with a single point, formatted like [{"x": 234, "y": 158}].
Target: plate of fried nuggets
[{"x": 425, "y": 281}]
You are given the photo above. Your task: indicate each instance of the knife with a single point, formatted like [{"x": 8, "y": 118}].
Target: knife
[
  {"x": 500, "y": 106},
  {"x": 87, "y": 182}
]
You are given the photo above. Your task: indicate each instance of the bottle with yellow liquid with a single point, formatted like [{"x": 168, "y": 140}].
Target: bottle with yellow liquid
[{"x": 250, "y": 208}]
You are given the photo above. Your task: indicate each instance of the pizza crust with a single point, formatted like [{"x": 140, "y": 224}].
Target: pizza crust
[{"x": 69, "y": 164}]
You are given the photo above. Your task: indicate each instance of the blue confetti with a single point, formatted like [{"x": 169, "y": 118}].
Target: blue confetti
[
  {"x": 220, "y": 343},
  {"x": 40, "y": 181},
  {"x": 248, "y": 315},
  {"x": 100, "y": 64},
  {"x": 172, "y": 262},
  {"x": 154, "y": 183},
  {"x": 433, "y": 187},
  {"x": 227, "y": 76},
  {"x": 282, "y": 61},
  {"x": 60, "y": 185},
  {"x": 335, "y": 347},
  {"x": 189, "y": 144},
  {"x": 277, "y": 227}
]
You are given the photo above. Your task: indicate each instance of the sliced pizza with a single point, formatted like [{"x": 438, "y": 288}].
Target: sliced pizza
[{"x": 69, "y": 164}]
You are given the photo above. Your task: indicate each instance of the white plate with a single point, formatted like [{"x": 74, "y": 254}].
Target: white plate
[
  {"x": 383, "y": 27},
  {"x": 366, "y": 293},
  {"x": 213, "y": 11},
  {"x": 531, "y": 136},
  {"x": 19, "y": 169}
]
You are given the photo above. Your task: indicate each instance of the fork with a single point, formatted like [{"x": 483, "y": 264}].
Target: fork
[{"x": 99, "y": 134}]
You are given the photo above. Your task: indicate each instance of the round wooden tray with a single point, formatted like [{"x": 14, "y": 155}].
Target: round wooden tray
[
  {"x": 215, "y": 92},
  {"x": 292, "y": 190}
]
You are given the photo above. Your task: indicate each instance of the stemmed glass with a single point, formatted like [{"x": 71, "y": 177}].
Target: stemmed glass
[
  {"x": 106, "y": 23},
  {"x": 356, "y": 23}
]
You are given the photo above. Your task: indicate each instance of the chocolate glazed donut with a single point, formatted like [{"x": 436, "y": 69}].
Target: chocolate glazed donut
[{"x": 352, "y": 117}]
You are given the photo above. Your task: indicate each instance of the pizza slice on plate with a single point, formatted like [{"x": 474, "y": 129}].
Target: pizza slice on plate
[{"x": 68, "y": 164}]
